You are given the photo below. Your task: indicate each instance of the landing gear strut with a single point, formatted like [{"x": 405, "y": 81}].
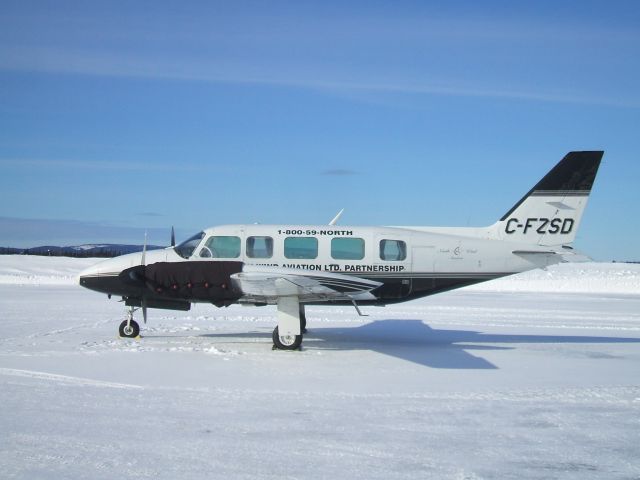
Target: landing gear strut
[
  {"x": 291, "y": 324},
  {"x": 129, "y": 328},
  {"x": 303, "y": 320}
]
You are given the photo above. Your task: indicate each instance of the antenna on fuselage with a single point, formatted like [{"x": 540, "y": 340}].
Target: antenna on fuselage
[{"x": 336, "y": 218}]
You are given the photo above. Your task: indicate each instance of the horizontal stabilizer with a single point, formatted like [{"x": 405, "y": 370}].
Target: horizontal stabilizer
[{"x": 532, "y": 252}]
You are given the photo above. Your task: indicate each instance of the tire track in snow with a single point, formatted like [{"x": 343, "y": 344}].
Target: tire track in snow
[
  {"x": 620, "y": 395},
  {"x": 57, "y": 331},
  {"x": 66, "y": 379}
]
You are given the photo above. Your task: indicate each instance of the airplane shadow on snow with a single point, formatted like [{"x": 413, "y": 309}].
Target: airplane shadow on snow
[{"x": 414, "y": 341}]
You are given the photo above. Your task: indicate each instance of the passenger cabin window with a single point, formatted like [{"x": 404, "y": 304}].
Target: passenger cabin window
[
  {"x": 301, "y": 247},
  {"x": 259, "y": 247},
  {"x": 221, "y": 247},
  {"x": 347, "y": 248},
  {"x": 393, "y": 250}
]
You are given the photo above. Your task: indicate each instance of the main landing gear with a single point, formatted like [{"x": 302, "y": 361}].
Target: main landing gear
[
  {"x": 292, "y": 322},
  {"x": 286, "y": 342},
  {"x": 129, "y": 328},
  {"x": 303, "y": 319}
]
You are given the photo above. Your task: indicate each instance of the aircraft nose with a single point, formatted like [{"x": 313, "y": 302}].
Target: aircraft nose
[
  {"x": 104, "y": 276},
  {"x": 94, "y": 277},
  {"x": 89, "y": 271}
]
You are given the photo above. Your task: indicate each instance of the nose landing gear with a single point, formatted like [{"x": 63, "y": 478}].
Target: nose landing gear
[{"x": 129, "y": 328}]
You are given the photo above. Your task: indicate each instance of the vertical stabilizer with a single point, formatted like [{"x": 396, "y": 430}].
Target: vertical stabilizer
[{"x": 550, "y": 213}]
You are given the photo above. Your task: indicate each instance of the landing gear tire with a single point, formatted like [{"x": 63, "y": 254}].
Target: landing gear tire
[
  {"x": 286, "y": 342},
  {"x": 132, "y": 330}
]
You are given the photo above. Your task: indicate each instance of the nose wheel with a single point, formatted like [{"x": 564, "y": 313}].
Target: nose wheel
[{"x": 129, "y": 329}]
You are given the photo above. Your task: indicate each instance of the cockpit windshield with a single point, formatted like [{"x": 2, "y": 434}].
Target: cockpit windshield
[{"x": 186, "y": 248}]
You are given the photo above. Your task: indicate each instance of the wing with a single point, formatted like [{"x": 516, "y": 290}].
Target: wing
[{"x": 268, "y": 284}]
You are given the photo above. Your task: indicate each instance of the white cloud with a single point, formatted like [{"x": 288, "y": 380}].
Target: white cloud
[{"x": 466, "y": 57}]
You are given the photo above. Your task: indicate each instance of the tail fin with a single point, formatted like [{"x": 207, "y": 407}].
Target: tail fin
[{"x": 549, "y": 215}]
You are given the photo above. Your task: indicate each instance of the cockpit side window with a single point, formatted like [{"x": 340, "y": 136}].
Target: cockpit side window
[
  {"x": 221, "y": 246},
  {"x": 186, "y": 248}
]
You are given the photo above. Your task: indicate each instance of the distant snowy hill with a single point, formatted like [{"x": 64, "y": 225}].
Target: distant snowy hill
[
  {"x": 616, "y": 278},
  {"x": 37, "y": 270}
]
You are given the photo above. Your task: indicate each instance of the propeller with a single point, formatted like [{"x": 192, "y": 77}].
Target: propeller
[
  {"x": 143, "y": 262},
  {"x": 173, "y": 237}
]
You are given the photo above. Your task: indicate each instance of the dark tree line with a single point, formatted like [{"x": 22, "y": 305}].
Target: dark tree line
[{"x": 98, "y": 251}]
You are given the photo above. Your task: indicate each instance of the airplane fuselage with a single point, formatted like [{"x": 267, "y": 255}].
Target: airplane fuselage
[{"x": 408, "y": 262}]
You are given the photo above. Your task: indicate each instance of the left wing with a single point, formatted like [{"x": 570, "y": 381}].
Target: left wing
[
  {"x": 268, "y": 284},
  {"x": 289, "y": 288}
]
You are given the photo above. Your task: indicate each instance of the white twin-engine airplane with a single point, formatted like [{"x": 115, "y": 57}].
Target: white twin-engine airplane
[{"x": 296, "y": 265}]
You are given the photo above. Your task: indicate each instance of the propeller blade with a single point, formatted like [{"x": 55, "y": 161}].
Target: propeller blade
[
  {"x": 144, "y": 250},
  {"x": 144, "y": 309},
  {"x": 173, "y": 237}
]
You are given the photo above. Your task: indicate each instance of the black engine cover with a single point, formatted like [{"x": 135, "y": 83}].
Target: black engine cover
[{"x": 208, "y": 281}]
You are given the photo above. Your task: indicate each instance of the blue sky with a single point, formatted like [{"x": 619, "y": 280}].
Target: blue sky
[{"x": 116, "y": 117}]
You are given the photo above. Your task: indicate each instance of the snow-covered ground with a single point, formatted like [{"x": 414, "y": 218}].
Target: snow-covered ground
[{"x": 535, "y": 376}]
